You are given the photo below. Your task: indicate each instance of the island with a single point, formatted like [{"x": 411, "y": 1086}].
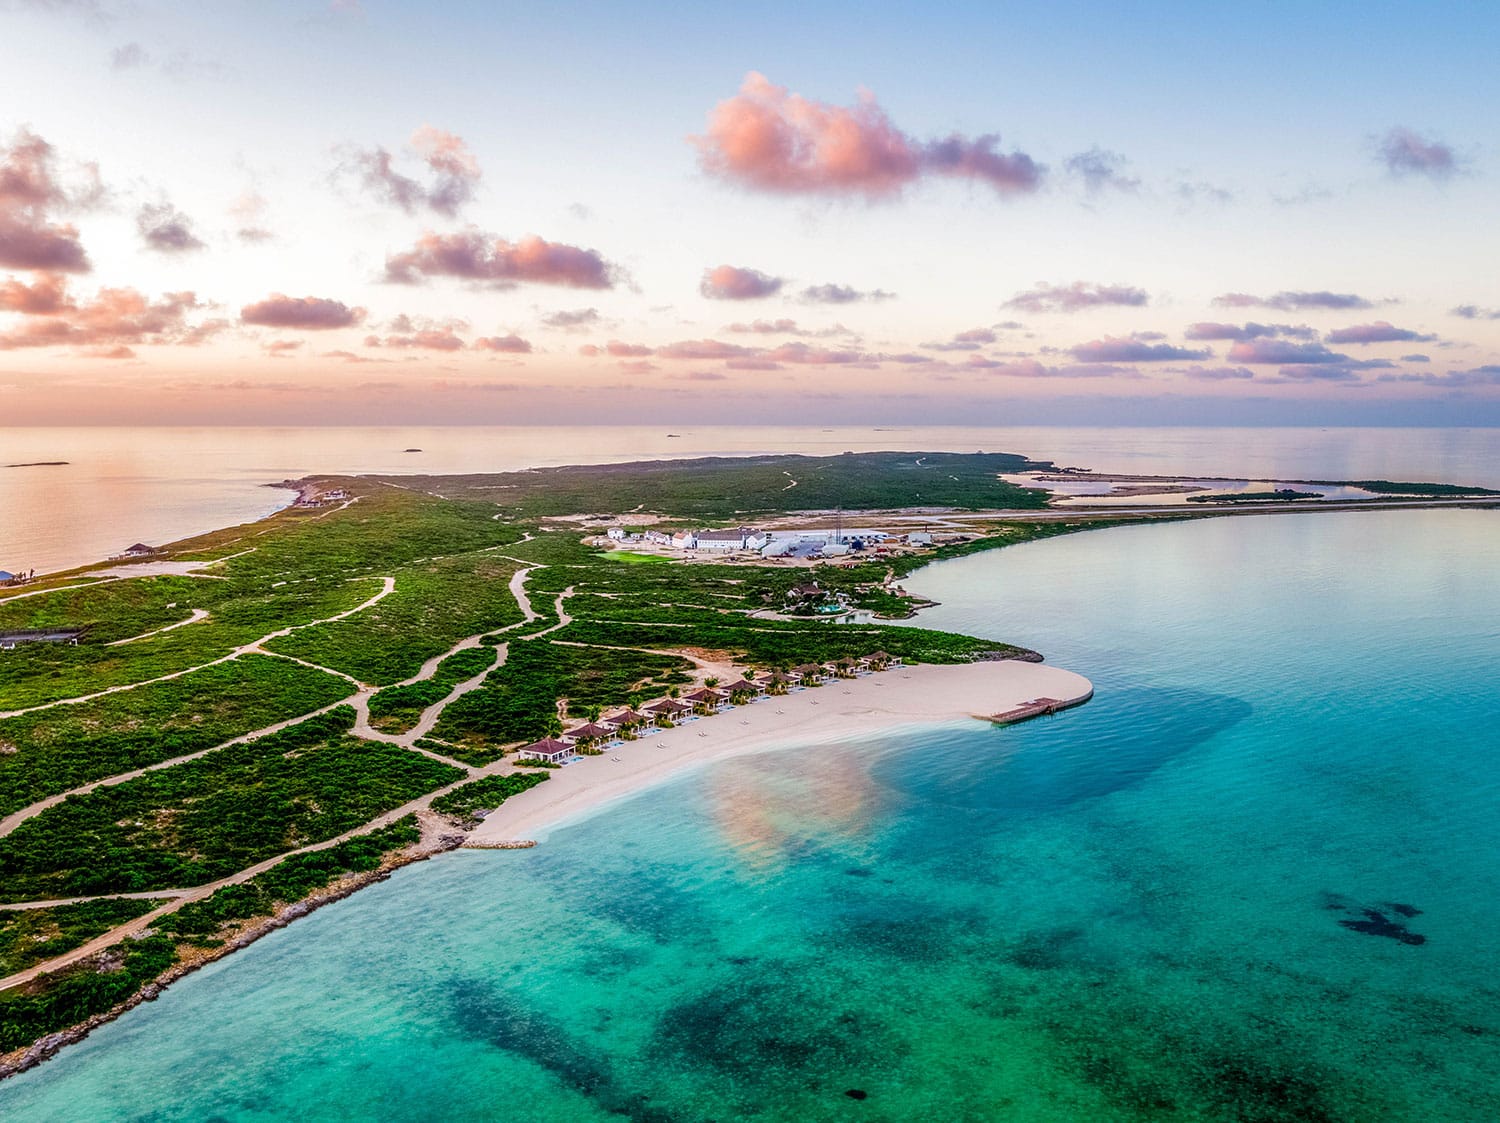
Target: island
[{"x": 260, "y": 720}]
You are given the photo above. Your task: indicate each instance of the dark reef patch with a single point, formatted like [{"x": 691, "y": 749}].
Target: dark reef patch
[
  {"x": 770, "y": 1031},
  {"x": 483, "y": 1012},
  {"x": 1375, "y": 922}
]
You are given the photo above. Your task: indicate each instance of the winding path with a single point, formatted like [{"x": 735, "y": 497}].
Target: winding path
[{"x": 253, "y": 647}]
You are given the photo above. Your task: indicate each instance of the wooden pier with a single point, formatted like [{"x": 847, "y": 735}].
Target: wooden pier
[{"x": 1037, "y": 707}]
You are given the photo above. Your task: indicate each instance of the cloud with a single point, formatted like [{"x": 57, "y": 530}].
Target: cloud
[
  {"x": 806, "y": 354},
  {"x": 1380, "y": 331},
  {"x": 116, "y": 317},
  {"x": 47, "y": 295},
  {"x": 29, "y": 190},
  {"x": 572, "y": 320},
  {"x": 166, "y": 230},
  {"x": 472, "y": 255},
  {"x": 312, "y": 313},
  {"x": 1205, "y": 330},
  {"x": 1076, "y": 297},
  {"x": 618, "y": 349},
  {"x": 1488, "y": 375},
  {"x": 249, "y": 215},
  {"x": 703, "y": 349},
  {"x": 1283, "y": 351},
  {"x": 1405, "y": 152},
  {"x": 1295, "y": 301},
  {"x": 511, "y": 344},
  {"x": 970, "y": 340},
  {"x": 282, "y": 348},
  {"x": 1133, "y": 349},
  {"x": 1417, "y": 358},
  {"x": 767, "y": 327},
  {"x": 1219, "y": 374},
  {"x": 1101, "y": 171},
  {"x": 730, "y": 282},
  {"x": 454, "y": 173},
  {"x": 768, "y": 139},
  {"x": 129, "y": 56},
  {"x": 423, "y": 339},
  {"x": 841, "y": 294},
  {"x": 1474, "y": 312}
]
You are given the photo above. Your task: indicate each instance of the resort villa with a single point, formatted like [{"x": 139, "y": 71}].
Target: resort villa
[
  {"x": 705, "y": 701},
  {"x": 549, "y": 750}
]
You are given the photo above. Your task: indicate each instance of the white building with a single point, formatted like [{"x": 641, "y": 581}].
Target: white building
[
  {"x": 721, "y": 539},
  {"x": 617, "y": 533},
  {"x": 685, "y": 540},
  {"x": 778, "y": 548}
]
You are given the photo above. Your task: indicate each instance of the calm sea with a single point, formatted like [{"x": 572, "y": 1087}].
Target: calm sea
[
  {"x": 122, "y": 486},
  {"x": 1253, "y": 880}
]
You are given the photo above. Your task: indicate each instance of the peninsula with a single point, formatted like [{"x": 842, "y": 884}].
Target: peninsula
[{"x": 254, "y": 721}]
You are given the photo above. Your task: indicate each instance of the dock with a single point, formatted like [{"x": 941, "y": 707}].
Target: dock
[{"x": 1036, "y": 707}]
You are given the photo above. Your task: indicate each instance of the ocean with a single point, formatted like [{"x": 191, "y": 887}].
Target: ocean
[
  {"x": 1252, "y": 880},
  {"x": 122, "y": 486}
]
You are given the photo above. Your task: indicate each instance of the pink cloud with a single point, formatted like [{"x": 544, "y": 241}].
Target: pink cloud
[
  {"x": 1133, "y": 349},
  {"x": 511, "y": 344},
  {"x": 730, "y": 282},
  {"x": 454, "y": 172},
  {"x": 1282, "y": 351},
  {"x": 1077, "y": 297},
  {"x": 1216, "y": 331},
  {"x": 703, "y": 349},
  {"x": 167, "y": 230},
  {"x": 472, "y": 255},
  {"x": 427, "y": 339},
  {"x": 30, "y": 189},
  {"x": 283, "y": 348},
  {"x": 1381, "y": 331},
  {"x": 1295, "y": 301},
  {"x": 1405, "y": 153},
  {"x": 115, "y": 317},
  {"x": 312, "y": 313},
  {"x": 45, "y": 296},
  {"x": 771, "y": 140}
]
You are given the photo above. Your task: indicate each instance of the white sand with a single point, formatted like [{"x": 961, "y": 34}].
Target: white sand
[{"x": 840, "y": 710}]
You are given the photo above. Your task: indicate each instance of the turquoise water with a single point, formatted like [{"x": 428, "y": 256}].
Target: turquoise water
[{"x": 1140, "y": 909}]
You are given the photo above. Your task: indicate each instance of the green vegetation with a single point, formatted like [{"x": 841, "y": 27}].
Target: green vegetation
[
  {"x": 288, "y": 881},
  {"x": 519, "y": 701},
  {"x": 1282, "y": 493},
  {"x": 50, "y": 751},
  {"x": 38, "y": 673},
  {"x": 397, "y": 708},
  {"x": 629, "y": 557},
  {"x": 435, "y": 605},
  {"x": 725, "y": 487},
  {"x": 466, "y": 802},
  {"x": 75, "y": 994},
  {"x": 1386, "y": 487},
  {"x": 32, "y": 936},
  {"x": 211, "y": 817}
]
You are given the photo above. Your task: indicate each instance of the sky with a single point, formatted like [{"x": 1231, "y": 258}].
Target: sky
[{"x": 991, "y": 213}]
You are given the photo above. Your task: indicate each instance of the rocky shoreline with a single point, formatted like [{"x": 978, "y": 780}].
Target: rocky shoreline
[{"x": 20, "y": 1060}]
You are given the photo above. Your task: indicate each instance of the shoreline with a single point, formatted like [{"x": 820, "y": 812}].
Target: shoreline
[{"x": 877, "y": 706}]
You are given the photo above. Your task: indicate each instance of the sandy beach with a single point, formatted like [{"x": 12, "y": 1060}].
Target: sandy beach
[{"x": 841, "y": 710}]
